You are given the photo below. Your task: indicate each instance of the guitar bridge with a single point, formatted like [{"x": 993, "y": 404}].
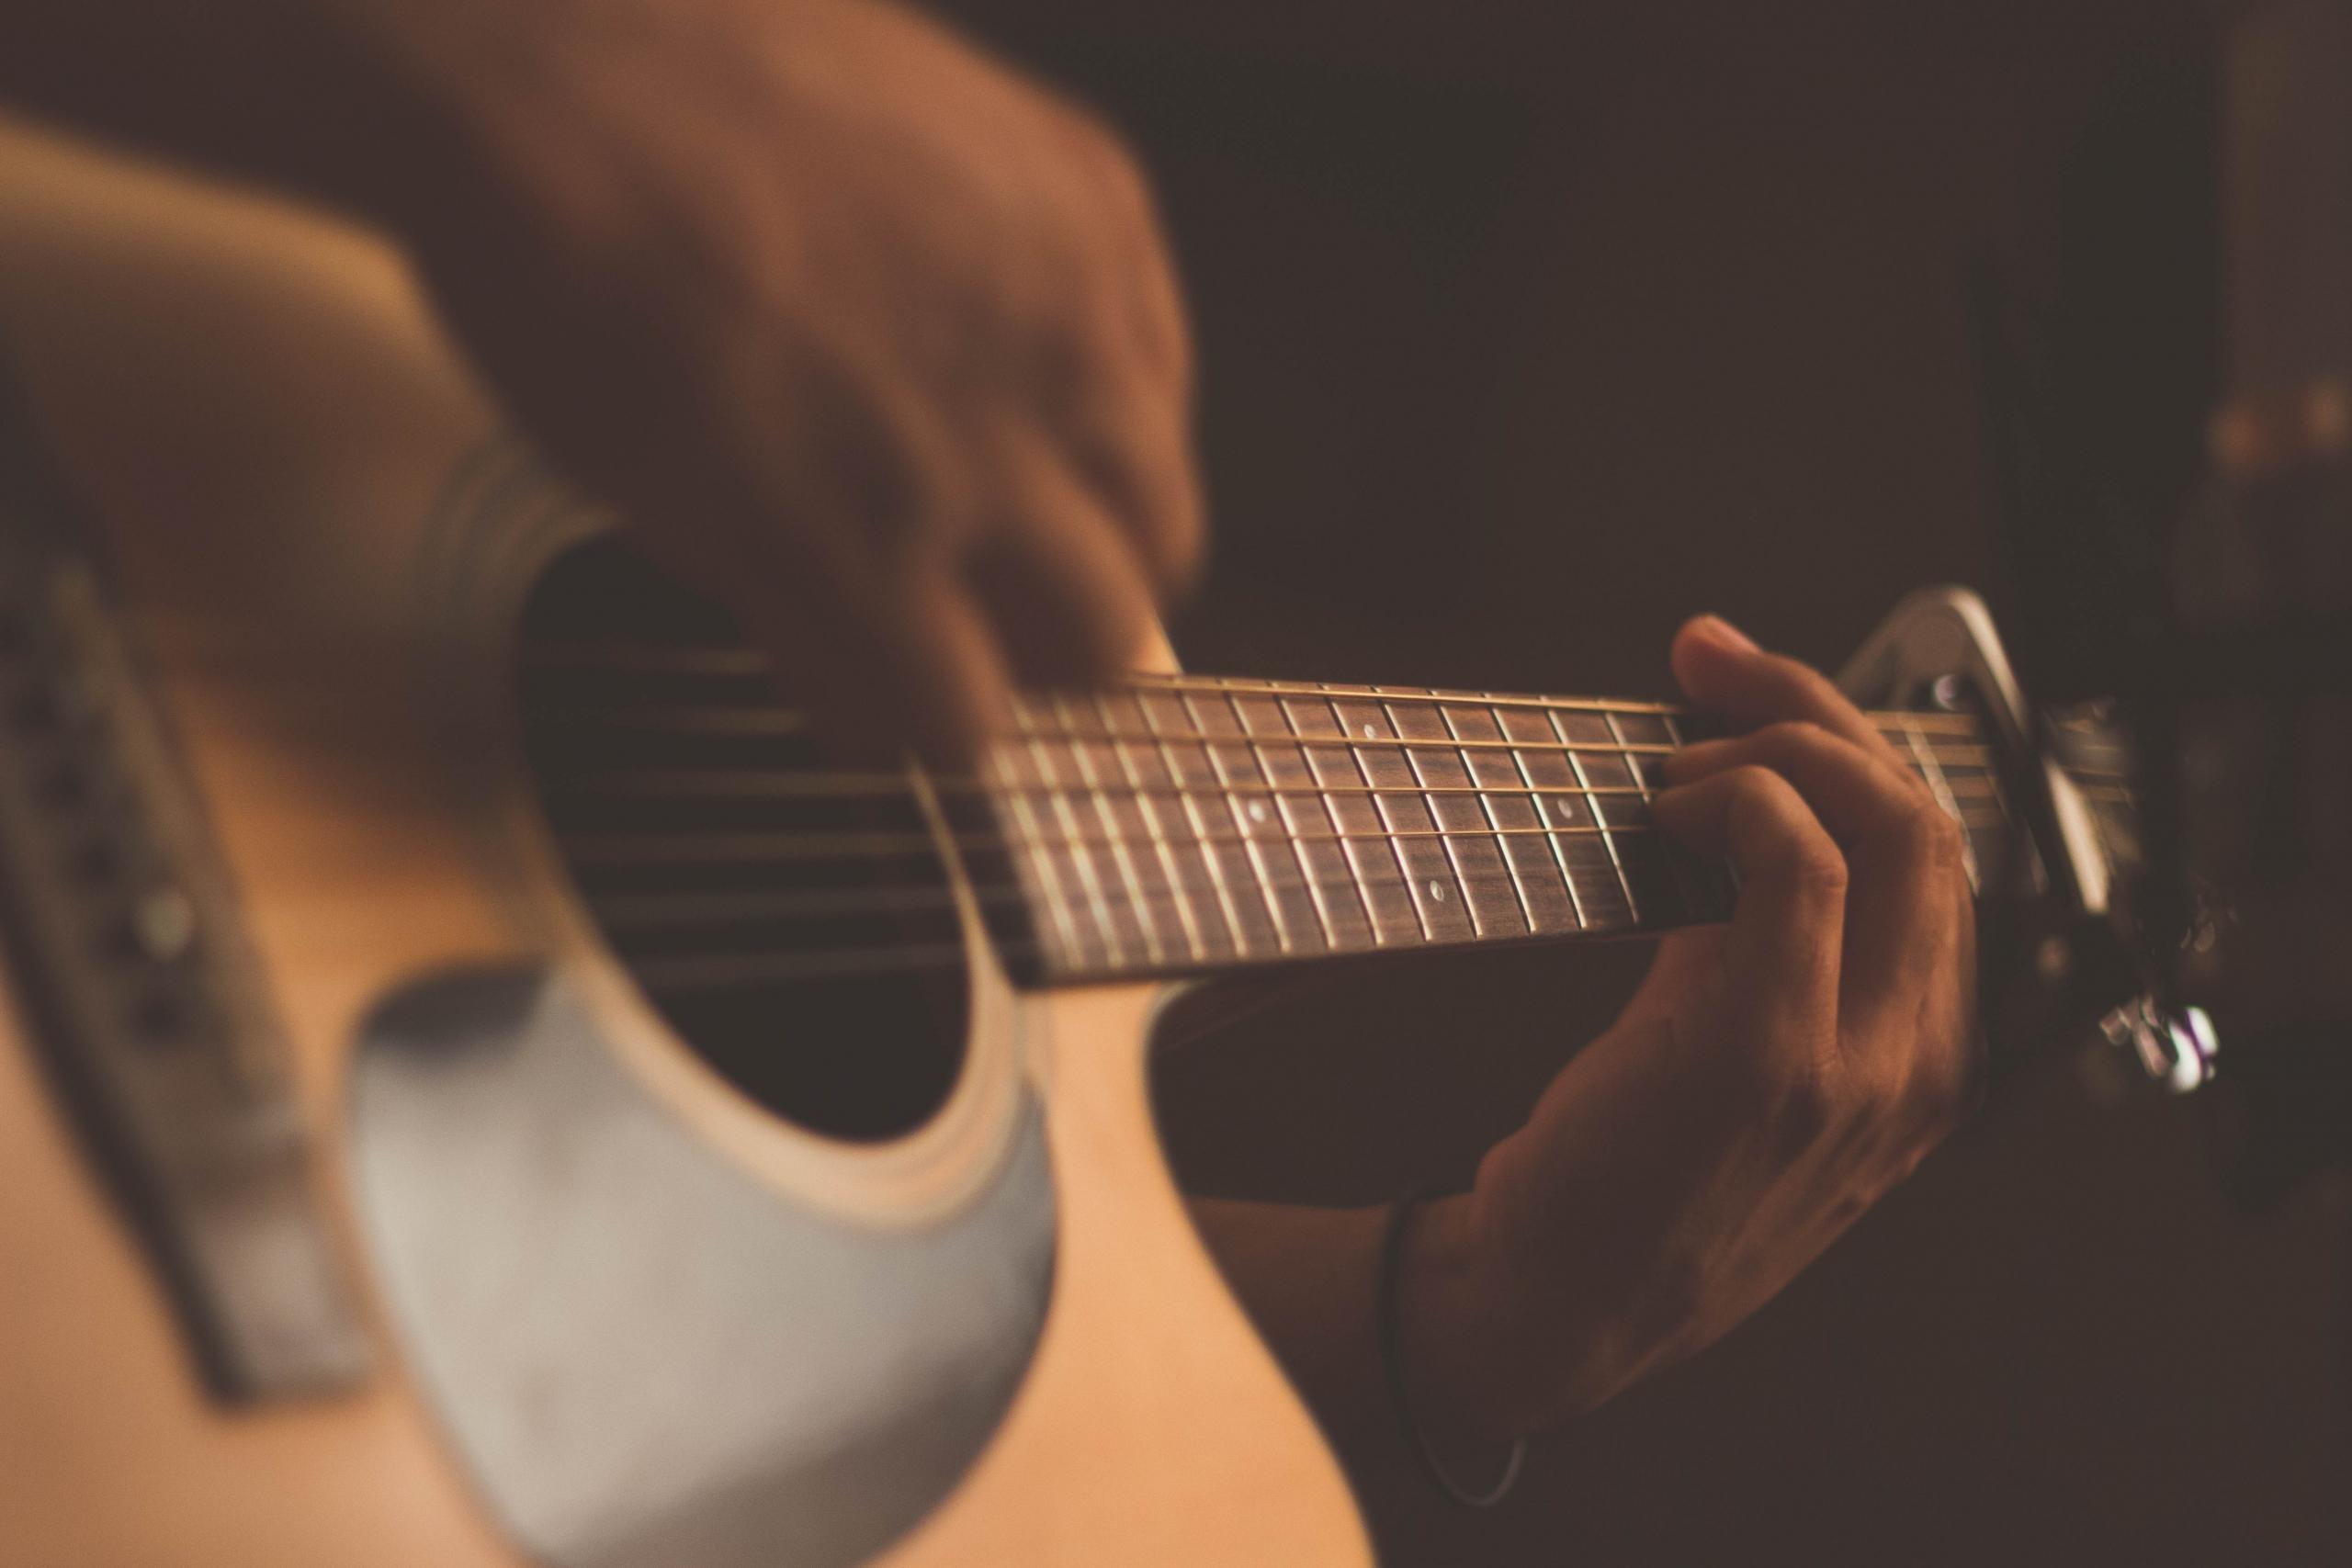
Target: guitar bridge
[{"x": 132, "y": 981}]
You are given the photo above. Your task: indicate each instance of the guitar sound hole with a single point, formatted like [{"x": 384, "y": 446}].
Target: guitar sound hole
[{"x": 791, "y": 922}]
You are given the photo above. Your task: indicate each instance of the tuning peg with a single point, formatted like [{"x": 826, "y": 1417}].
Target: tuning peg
[{"x": 2177, "y": 1046}]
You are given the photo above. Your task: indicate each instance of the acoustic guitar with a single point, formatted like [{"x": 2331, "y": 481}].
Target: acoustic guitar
[{"x": 478, "y": 1088}]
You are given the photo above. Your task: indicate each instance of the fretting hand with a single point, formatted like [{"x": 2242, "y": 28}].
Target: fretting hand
[{"x": 1768, "y": 1083}]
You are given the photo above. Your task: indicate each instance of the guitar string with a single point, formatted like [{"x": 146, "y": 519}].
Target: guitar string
[
  {"x": 723, "y": 660},
  {"x": 628, "y": 913},
  {"x": 699, "y": 970},
  {"x": 642, "y": 850},
  {"x": 689, "y": 718},
  {"x": 671, "y": 974}
]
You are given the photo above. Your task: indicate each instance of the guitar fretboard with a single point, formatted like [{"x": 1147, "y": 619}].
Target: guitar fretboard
[{"x": 1181, "y": 824}]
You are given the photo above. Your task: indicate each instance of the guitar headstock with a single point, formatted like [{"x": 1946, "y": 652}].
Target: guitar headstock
[{"x": 2069, "y": 934}]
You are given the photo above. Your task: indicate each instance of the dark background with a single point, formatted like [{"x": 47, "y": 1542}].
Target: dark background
[{"x": 1525, "y": 331}]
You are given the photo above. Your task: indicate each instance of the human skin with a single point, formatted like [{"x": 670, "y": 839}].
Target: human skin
[{"x": 879, "y": 340}]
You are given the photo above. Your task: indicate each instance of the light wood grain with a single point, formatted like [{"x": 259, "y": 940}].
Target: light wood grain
[{"x": 263, "y": 413}]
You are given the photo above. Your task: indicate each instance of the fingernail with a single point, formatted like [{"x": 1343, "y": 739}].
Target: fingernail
[{"x": 1722, "y": 633}]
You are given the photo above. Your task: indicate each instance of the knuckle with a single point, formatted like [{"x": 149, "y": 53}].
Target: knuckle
[
  {"x": 1818, "y": 866},
  {"x": 1757, "y": 788},
  {"x": 1934, "y": 839},
  {"x": 1804, "y": 1110},
  {"x": 1792, "y": 735}
]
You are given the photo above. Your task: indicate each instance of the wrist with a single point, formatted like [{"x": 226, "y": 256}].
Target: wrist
[{"x": 1452, "y": 1340}]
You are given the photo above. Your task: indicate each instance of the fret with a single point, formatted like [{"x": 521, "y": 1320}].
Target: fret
[
  {"x": 1623, "y": 911},
  {"x": 1322, "y": 871},
  {"x": 1405, "y": 815},
  {"x": 1709, "y": 888},
  {"x": 1432, "y": 694},
  {"x": 1289, "y": 881},
  {"x": 1038, "y": 856},
  {"x": 1984, "y": 811},
  {"x": 1168, "y": 920},
  {"x": 1512, "y": 809},
  {"x": 1229, "y": 867},
  {"x": 1404, "y": 743},
  {"x": 1551, "y": 800},
  {"x": 1214, "y": 718},
  {"x": 1147, "y": 914},
  {"x": 1184, "y": 825},
  {"x": 719, "y": 783},
  {"x": 1197, "y": 941},
  {"x": 1122, "y": 934},
  {"x": 1341, "y": 901},
  {"x": 1378, "y": 870},
  {"x": 1647, "y": 861},
  {"x": 1451, "y": 798},
  {"x": 1923, "y": 759}
]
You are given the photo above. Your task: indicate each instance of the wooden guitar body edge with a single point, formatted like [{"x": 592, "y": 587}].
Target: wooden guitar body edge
[{"x": 260, "y": 414}]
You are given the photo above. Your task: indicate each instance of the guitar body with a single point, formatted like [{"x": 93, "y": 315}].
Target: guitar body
[{"x": 267, "y": 431}]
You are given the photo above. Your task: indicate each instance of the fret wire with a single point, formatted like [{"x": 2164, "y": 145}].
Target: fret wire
[
  {"x": 639, "y": 847},
  {"x": 1619, "y": 736},
  {"x": 1241, "y": 818},
  {"x": 656, "y": 849},
  {"x": 693, "y": 783},
  {"x": 1924, "y": 763},
  {"x": 1429, "y": 804},
  {"x": 690, "y": 719},
  {"x": 690, "y": 784},
  {"x": 1249, "y": 851},
  {"x": 1200, "y": 832},
  {"x": 1147, "y": 922},
  {"x": 1225, "y": 683},
  {"x": 1636, "y": 748},
  {"x": 668, "y": 910},
  {"x": 1041, "y": 865},
  {"x": 1296, "y": 851},
  {"x": 1946, "y": 723},
  {"x": 1080, "y": 860},
  {"x": 1355, "y": 874},
  {"x": 721, "y": 660},
  {"x": 1608, "y": 844},
  {"x": 1675, "y": 872},
  {"x": 1487, "y": 807},
  {"x": 1559, "y": 855},
  {"x": 1396, "y": 848},
  {"x": 1161, "y": 846}
]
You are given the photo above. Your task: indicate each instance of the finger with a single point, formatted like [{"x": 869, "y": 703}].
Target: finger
[
  {"x": 1124, "y": 427},
  {"x": 1852, "y": 788},
  {"x": 1722, "y": 670},
  {"x": 1062, "y": 589},
  {"x": 1781, "y": 955},
  {"x": 925, "y": 671},
  {"x": 1135, "y": 452},
  {"x": 1903, "y": 905}
]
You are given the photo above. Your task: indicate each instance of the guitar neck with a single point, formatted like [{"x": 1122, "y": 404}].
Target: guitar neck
[{"x": 1184, "y": 824}]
